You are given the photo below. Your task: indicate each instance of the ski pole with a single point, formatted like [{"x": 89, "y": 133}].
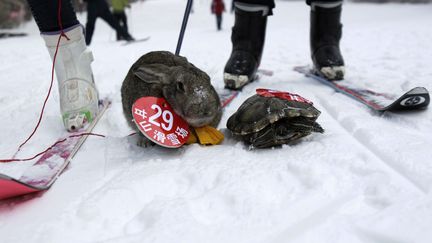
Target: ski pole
[{"x": 183, "y": 27}]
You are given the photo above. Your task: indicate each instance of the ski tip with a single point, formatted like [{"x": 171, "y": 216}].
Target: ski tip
[
  {"x": 136, "y": 41},
  {"x": 10, "y": 187},
  {"x": 418, "y": 90},
  {"x": 415, "y": 99}
]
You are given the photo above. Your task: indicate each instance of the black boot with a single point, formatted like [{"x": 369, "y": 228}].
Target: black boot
[
  {"x": 247, "y": 37},
  {"x": 325, "y": 34}
]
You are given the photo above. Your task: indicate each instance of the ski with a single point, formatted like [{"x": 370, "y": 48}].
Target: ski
[
  {"x": 414, "y": 99},
  {"x": 136, "y": 41},
  {"x": 42, "y": 174},
  {"x": 4, "y": 35},
  {"x": 226, "y": 96}
]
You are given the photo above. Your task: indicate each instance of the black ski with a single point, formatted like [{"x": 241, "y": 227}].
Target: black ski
[
  {"x": 414, "y": 99},
  {"x": 136, "y": 41},
  {"x": 11, "y": 34}
]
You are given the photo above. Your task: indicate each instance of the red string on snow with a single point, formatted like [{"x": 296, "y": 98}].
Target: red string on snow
[
  {"x": 51, "y": 147},
  {"x": 62, "y": 34}
]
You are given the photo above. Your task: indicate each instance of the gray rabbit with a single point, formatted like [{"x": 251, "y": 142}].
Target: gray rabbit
[{"x": 185, "y": 87}]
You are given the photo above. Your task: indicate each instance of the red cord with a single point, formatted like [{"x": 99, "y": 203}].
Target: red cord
[
  {"x": 51, "y": 147},
  {"x": 62, "y": 34}
]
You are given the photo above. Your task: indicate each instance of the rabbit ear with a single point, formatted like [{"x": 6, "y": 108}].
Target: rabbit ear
[{"x": 153, "y": 73}]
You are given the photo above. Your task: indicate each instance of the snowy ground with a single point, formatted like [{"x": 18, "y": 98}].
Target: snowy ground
[{"x": 367, "y": 179}]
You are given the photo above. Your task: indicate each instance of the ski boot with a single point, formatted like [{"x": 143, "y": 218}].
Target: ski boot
[
  {"x": 247, "y": 37},
  {"x": 78, "y": 94},
  {"x": 325, "y": 34}
]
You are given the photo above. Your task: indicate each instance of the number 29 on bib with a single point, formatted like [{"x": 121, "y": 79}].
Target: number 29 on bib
[{"x": 157, "y": 121}]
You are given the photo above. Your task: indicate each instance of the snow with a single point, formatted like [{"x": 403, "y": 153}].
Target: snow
[{"x": 368, "y": 178}]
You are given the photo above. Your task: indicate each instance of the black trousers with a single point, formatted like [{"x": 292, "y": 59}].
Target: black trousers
[
  {"x": 271, "y": 3},
  {"x": 219, "y": 21},
  {"x": 45, "y": 14},
  {"x": 99, "y": 8},
  {"x": 122, "y": 20}
]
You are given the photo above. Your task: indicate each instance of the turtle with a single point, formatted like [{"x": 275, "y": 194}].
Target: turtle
[{"x": 272, "y": 118}]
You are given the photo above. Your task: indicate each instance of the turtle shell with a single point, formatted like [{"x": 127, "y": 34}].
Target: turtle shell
[{"x": 258, "y": 112}]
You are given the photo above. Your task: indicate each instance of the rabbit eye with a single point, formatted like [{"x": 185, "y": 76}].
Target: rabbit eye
[{"x": 180, "y": 87}]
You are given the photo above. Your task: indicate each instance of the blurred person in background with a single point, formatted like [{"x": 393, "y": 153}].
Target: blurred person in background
[
  {"x": 100, "y": 8},
  {"x": 118, "y": 10},
  {"x": 12, "y": 13},
  {"x": 248, "y": 35},
  {"x": 217, "y": 8}
]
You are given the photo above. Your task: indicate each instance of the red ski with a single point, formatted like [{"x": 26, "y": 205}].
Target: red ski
[
  {"x": 42, "y": 174},
  {"x": 226, "y": 96}
]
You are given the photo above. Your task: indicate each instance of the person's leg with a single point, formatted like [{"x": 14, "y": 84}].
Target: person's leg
[
  {"x": 117, "y": 17},
  {"x": 219, "y": 21},
  {"x": 92, "y": 14},
  {"x": 325, "y": 35},
  {"x": 247, "y": 37},
  {"x": 45, "y": 14},
  {"x": 256, "y": 5},
  {"x": 78, "y": 94},
  {"x": 107, "y": 16},
  {"x": 124, "y": 21}
]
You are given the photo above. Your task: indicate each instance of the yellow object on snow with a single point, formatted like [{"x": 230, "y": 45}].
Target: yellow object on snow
[
  {"x": 192, "y": 137},
  {"x": 205, "y": 135}
]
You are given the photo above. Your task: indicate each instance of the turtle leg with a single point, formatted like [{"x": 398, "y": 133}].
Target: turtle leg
[
  {"x": 262, "y": 139},
  {"x": 284, "y": 132},
  {"x": 304, "y": 124},
  {"x": 274, "y": 135}
]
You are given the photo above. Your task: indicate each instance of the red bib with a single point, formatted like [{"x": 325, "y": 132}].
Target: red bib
[{"x": 156, "y": 119}]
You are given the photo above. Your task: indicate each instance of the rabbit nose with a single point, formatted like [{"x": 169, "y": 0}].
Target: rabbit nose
[
  {"x": 207, "y": 113},
  {"x": 194, "y": 109},
  {"x": 199, "y": 110}
]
